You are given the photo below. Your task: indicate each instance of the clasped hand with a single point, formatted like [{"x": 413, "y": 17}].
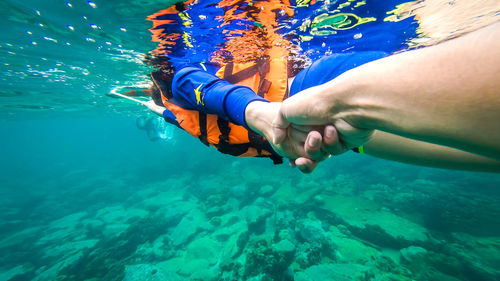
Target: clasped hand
[{"x": 308, "y": 132}]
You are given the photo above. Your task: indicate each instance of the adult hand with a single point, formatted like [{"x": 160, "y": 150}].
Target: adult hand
[
  {"x": 315, "y": 146},
  {"x": 309, "y": 107},
  {"x": 259, "y": 117}
]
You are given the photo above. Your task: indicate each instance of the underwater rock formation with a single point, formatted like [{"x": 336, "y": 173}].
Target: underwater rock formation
[
  {"x": 293, "y": 230},
  {"x": 372, "y": 222},
  {"x": 144, "y": 272}
]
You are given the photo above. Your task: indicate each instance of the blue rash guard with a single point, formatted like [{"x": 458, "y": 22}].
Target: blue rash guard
[{"x": 197, "y": 88}]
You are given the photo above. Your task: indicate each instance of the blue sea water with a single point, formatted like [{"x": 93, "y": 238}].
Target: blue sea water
[{"x": 87, "y": 195}]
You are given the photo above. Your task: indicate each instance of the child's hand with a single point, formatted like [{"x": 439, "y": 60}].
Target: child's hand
[{"x": 154, "y": 107}]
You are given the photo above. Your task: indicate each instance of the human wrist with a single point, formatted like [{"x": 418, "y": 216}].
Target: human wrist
[
  {"x": 353, "y": 97},
  {"x": 254, "y": 116},
  {"x": 237, "y": 101}
]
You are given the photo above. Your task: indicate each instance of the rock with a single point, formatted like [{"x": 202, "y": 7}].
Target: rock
[
  {"x": 188, "y": 227},
  {"x": 344, "y": 184},
  {"x": 288, "y": 193},
  {"x": 232, "y": 247},
  {"x": 172, "y": 267},
  {"x": 369, "y": 221},
  {"x": 318, "y": 199},
  {"x": 117, "y": 218},
  {"x": 13, "y": 272},
  {"x": 20, "y": 237},
  {"x": 205, "y": 249},
  {"x": 63, "y": 229},
  {"x": 308, "y": 254},
  {"x": 115, "y": 229},
  {"x": 239, "y": 190},
  {"x": 68, "y": 221},
  {"x": 120, "y": 214},
  {"x": 433, "y": 274},
  {"x": 284, "y": 246},
  {"x": 157, "y": 249},
  {"x": 256, "y": 218},
  {"x": 266, "y": 190},
  {"x": 337, "y": 272},
  {"x": 165, "y": 198},
  {"x": 175, "y": 211},
  {"x": 198, "y": 261},
  {"x": 51, "y": 272},
  {"x": 412, "y": 253},
  {"x": 217, "y": 205},
  {"x": 232, "y": 236},
  {"x": 285, "y": 219},
  {"x": 215, "y": 221},
  {"x": 265, "y": 261},
  {"x": 69, "y": 248},
  {"x": 201, "y": 272},
  {"x": 311, "y": 231},
  {"x": 286, "y": 234},
  {"x": 351, "y": 250},
  {"x": 479, "y": 256},
  {"x": 144, "y": 272},
  {"x": 317, "y": 243},
  {"x": 285, "y": 250}
]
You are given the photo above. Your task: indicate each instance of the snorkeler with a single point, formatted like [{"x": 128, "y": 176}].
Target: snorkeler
[
  {"x": 196, "y": 91},
  {"x": 155, "y": 128},
  {"x": 225, "y": 113}
]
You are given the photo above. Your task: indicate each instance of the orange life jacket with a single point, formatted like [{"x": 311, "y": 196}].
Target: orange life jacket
[{"x": 267, "y": 77}]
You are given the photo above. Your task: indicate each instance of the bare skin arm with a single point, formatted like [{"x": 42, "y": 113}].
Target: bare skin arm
[
  {"x": 396, "y": 148},
  {"x": 448, "y": 94},
  {"x": 158, "y": 110},
  {"x": 259, "y": 117}
]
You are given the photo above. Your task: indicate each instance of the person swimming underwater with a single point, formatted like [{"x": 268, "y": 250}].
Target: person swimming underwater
[
  {"x": 155, "y": 128},
  {"x": 225, "y": 105},
  {"x": 195, "y": 90}
]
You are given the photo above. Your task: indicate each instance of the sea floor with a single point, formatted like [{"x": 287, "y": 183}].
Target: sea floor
[
  {"x": 224, "y": 218},
  {"x": 220, "y": 228}
]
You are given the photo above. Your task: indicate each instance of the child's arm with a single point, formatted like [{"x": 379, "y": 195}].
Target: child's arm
[{"x": 155, "y": 108}]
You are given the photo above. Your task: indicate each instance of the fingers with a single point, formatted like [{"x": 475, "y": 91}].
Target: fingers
[
  {"x": 305, "y": 144},
  {"x": 331, "y": 141},
  {"x": 352, "y": 136},
  {"x": 313, "y": 146},
  {"x": 298, "y": 136},
  {"x": 305, "y": 165},
  {"x": 280, "y": 124}
]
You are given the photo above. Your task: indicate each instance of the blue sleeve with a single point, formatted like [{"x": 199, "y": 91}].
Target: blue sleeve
[
  {"x": 196, "y": 89},
  {"x": 329, "y": 67},
  {"x": 170, "y": 117}
]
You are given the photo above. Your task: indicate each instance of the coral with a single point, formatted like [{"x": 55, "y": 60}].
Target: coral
[
  {"x": 272, "y": 262},
  {"x": 308, "y": 254}
]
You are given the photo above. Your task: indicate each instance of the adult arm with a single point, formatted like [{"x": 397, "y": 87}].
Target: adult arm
[
  {"x": 392, "y": 147},
  {"x": 448, "y": 94},
  {"x": 396, "y": 148}
]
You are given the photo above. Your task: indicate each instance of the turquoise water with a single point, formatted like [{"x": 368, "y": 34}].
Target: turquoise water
[{"x": 86, "y": 195}]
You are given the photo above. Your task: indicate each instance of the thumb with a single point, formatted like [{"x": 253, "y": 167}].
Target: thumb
[{"x": 280, "y": 124}]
